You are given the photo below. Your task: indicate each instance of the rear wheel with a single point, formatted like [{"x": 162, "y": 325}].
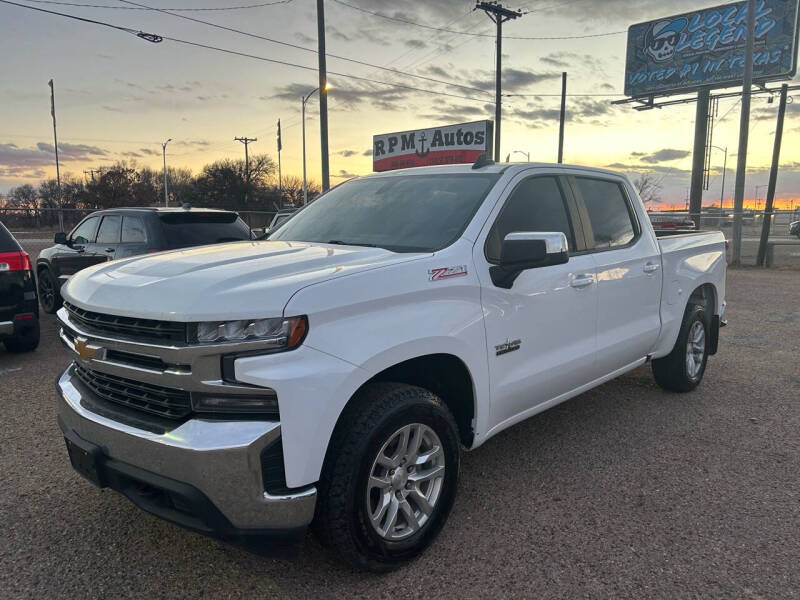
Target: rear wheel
[
  {"x": 26, "y": 340},
  {"x": 682, "y": 369},
  {"x": 49, "y": 297},
  {"x": 390, "y": 476}
]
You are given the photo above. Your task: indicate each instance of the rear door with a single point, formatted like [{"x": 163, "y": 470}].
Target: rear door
[
  {"x": 134, "y": 237},
  {"x": 12, "y": 277},
  {"x": 108, "y": 237},
  {"x": 78, "y": 254},
  {"x": 628, "y": 266}
]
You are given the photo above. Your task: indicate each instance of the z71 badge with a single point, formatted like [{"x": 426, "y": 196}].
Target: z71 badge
[{"x": 447, "y": 272}]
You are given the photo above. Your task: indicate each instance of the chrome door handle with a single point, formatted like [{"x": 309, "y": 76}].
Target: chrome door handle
[
  {"x": 109, "y": 250},
  {"x": 651, "y": 267},
  {"x": 581, "y": 281}
]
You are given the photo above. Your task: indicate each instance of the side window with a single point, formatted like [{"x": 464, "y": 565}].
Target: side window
[
  {"x": 536, "y": 204},
  {"x": 109, "y": 230},
  {"x": 84, "y": 233},
  {"x": 133, "y": 231},
  {"x": 609, "y": 212}
]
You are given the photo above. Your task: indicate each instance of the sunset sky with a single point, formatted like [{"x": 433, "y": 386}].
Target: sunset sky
[{"x": 118, "y": 97}]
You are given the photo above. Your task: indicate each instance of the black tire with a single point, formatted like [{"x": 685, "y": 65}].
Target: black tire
[
  {"x": 672, "y": 372},
  {"x": 49, "y": 297},
  {"x": 370, "y": 420},
  {"x": 27, "y": 340}
]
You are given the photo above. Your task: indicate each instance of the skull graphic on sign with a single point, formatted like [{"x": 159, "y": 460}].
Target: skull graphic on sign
[{"x": 663, "y": 38}]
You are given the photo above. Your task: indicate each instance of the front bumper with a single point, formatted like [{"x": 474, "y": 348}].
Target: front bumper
[{"x": 205, "y": 475}]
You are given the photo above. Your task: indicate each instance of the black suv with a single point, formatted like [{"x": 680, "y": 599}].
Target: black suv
[
  {"x": 19, "y": 310},
  {"x": 119, "y": 233}
]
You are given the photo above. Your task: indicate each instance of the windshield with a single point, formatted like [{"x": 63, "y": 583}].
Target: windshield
[
  {"x": 414, "y": 213},
  {"x": 183, "y": 230}
]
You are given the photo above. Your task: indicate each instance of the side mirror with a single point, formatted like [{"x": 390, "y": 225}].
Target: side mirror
[
  {"x": 60, "y": 238},
  {"x": 528, "y": 250}
]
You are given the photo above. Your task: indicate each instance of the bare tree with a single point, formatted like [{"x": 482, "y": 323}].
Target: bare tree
[{"x": 649, "y": 187}]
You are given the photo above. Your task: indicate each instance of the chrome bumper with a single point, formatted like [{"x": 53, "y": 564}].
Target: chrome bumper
[
  {"x": 6, "y": 327},
  {"x": 221, "y": 459}
]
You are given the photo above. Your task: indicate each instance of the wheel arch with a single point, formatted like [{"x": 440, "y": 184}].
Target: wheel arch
[{"x": 443, "y": 374}]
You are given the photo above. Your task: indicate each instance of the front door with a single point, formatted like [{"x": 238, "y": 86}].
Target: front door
[
  {"x": 108, "y": 237},
  {"x": 70, "y": 258},
  {"x": 540, "y": 332}
]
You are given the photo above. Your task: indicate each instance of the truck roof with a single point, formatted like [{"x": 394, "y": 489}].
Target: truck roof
[{"x": 490, "y": 168}]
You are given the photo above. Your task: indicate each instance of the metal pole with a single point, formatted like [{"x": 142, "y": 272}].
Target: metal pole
[
  {"x": 305, "y": 185},
  {"x": 744, "y": 127},
  {"x": 773, "y": 178},
  {"x": 699, "y": 156},
  {"x": 497, "y": 94},
  {"x": 164, "y": 151},
  {"x": 563, "y": 116},
  {"x": 323, "y": 96},
  {"x": 55, "y": 145},
  {"x": 722, "y": 189}
]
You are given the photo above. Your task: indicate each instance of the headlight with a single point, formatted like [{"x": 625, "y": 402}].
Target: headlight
[{"x": 280, "y": 333}]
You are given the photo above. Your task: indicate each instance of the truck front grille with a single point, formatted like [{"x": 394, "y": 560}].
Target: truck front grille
[
  {"x": 128, "y": 327},
  {"x": 154, "y": 399}
]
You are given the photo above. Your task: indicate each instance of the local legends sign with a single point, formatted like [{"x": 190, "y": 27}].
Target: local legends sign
[
  {"x": 706, "y": 48},
  {"x": 449, "y": 145}
]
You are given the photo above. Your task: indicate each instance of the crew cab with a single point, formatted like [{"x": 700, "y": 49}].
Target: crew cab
[
  {"x": 122, "y": 232},
  {"x": 334, "y": 372}
]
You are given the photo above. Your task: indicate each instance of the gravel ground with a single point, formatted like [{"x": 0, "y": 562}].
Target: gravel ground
[{"x": 623, "y": 492}]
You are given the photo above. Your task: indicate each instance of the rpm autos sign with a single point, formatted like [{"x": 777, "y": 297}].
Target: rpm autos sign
[
  {"x": 447, "y": 145},
  {"x": 707, "y": 47}
]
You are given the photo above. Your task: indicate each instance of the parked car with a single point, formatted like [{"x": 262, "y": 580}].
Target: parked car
[
  {"x": 333, "y": 372},
  {"x": 794, "y": 228},
  {"x": 672, "y": 222},
  {"x": 19, "y": 310},
  {"x": 119, "y": 233},
  {"x": 277, "y": 221}
]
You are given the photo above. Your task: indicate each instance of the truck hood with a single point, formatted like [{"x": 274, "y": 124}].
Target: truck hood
[{"x": 239, "y": 280}]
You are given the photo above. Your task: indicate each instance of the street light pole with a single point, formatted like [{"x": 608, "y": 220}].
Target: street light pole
[
  {"x": 305, "y": 185},
  {"x": 527, "y": 154},
  {"x": 164, "y": 152},
  {"x": 724, "y": 170}
]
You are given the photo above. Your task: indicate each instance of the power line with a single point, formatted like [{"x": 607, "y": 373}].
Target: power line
[
  {"x": 298, "y": 47},
  {"x": 218, "y": 8},
  {"x": 145, "y": 36},
  {"x": 158, "y": 38},
  {"x": 474, "y": 33}
]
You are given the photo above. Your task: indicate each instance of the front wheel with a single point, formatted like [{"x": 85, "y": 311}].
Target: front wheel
[
  {"x": 49, "y": 297},
  {"x": 390, "y": 476},
  {"x": 682, "y": 369}
]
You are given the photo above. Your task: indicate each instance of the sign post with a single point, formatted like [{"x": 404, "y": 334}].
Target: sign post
[{"x": 448, "y": 145}]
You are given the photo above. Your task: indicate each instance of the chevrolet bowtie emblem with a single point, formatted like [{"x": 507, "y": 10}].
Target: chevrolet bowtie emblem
[{"x": 84, "y": 350}]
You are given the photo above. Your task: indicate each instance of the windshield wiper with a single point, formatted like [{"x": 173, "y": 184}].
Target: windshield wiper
[{"x": 341, "y": 243}]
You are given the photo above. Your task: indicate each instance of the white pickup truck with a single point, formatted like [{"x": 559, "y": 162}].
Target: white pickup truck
[{"x": 333, "y": 373}]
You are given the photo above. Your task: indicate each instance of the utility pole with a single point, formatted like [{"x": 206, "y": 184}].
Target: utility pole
[
  {"x": 773, "y": 178},
  {"x": 88, "y": 173},
  {"x": 744, "y": 127},
  {"x": 323, "y": 96},
  {"x": 280, "y": 180},
  {"x": 245, "y": 141},
  {"x": 164, "y": 152},
  {"x": 699, "y": 156},
  {"x": 55, "y": 145},
  {"x": 499, "y": 15},
  {"x": 563, "y": 117}
]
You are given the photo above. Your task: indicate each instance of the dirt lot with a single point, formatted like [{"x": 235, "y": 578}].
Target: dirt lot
[{"x": 625, "y": 491}]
